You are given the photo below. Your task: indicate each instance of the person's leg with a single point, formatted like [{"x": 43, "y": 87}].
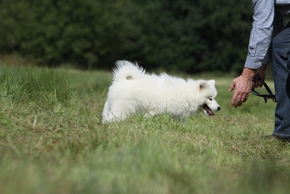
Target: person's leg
[{"x": 281, "y": 75}]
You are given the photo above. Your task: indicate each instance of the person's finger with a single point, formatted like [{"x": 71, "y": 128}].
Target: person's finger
[
  {"x": 238, "y": 99},
  {"x": 244, "y": 98},
  {"x": 232, "y": 86},
  {"x": 259, "y": 84}
]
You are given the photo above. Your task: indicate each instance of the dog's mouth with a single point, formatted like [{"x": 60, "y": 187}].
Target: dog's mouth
[{"x": 208, "y": 110}]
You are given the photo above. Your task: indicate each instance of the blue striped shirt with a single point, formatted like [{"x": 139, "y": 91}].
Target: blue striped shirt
[{"x": 267, "y": 21}]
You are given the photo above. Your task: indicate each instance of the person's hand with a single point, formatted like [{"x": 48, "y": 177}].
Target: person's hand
[
  {"x": 261, "y": 73},
  {"x": 242, "y": 85}
]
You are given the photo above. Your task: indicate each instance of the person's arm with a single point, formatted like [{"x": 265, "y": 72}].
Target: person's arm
[
  {"x": 259, "y": 42},
  {"x": 261, "y": 33}
]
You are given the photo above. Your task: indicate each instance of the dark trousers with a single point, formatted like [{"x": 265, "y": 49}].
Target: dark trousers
[{"x": 281, "y": 74}]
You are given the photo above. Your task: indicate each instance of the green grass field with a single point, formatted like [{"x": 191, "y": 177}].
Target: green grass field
[{"x": 52, "y": 141}]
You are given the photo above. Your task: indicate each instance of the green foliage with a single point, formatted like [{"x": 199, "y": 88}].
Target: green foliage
[
  {"x": 186, "y": 36},
  {"x": 165, "y": 36},
  {"x": 224, "y": 26},
  {"x": 55, "y": 32},
  {"x": 52, "y": 141}
]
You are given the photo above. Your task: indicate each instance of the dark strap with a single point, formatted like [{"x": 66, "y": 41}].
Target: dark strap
[{"x": 265, "y": 96}]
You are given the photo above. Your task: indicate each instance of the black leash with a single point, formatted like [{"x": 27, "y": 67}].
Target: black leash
[{"x": 265, "y": 96}]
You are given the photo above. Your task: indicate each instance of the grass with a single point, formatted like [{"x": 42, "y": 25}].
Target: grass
[{"x": 52, "y": 141}]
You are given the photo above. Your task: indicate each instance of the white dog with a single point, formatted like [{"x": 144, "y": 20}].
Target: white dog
[{"x": 134, "y": 91}]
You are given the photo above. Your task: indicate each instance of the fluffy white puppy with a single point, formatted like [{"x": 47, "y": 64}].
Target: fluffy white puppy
[{"x": 134, "y": 91}]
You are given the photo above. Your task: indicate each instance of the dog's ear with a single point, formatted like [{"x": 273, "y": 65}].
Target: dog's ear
[
  {"x": 212, "y": 81},
  {"x": 203, "y": 85}
]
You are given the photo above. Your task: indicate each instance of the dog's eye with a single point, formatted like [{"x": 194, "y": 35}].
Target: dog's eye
[{"x": 210, "y": 98}]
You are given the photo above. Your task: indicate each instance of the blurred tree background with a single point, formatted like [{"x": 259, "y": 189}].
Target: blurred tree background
[{"x": 184, "y": 35}]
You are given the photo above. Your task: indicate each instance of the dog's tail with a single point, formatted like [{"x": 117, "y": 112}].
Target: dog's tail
[{"x": 125, "y": 70}]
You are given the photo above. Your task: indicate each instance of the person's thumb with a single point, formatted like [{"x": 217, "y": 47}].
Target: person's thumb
[{"x": 232, "y": 86}]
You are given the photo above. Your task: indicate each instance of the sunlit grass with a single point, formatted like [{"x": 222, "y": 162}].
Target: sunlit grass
[{"x": 52, "y": 141}]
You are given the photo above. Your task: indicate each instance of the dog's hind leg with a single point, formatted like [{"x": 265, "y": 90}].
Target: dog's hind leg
[
  {"x": 106, "y": 113},
  {"x": 149, "y": 114},
  {"x": 114, "y": 112}
]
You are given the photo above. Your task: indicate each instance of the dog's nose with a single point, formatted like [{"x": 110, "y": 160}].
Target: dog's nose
[{"x": 218, "y": 108}]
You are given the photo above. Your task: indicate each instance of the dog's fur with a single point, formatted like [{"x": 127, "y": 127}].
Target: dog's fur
[{"x": 134, "y": 91}]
